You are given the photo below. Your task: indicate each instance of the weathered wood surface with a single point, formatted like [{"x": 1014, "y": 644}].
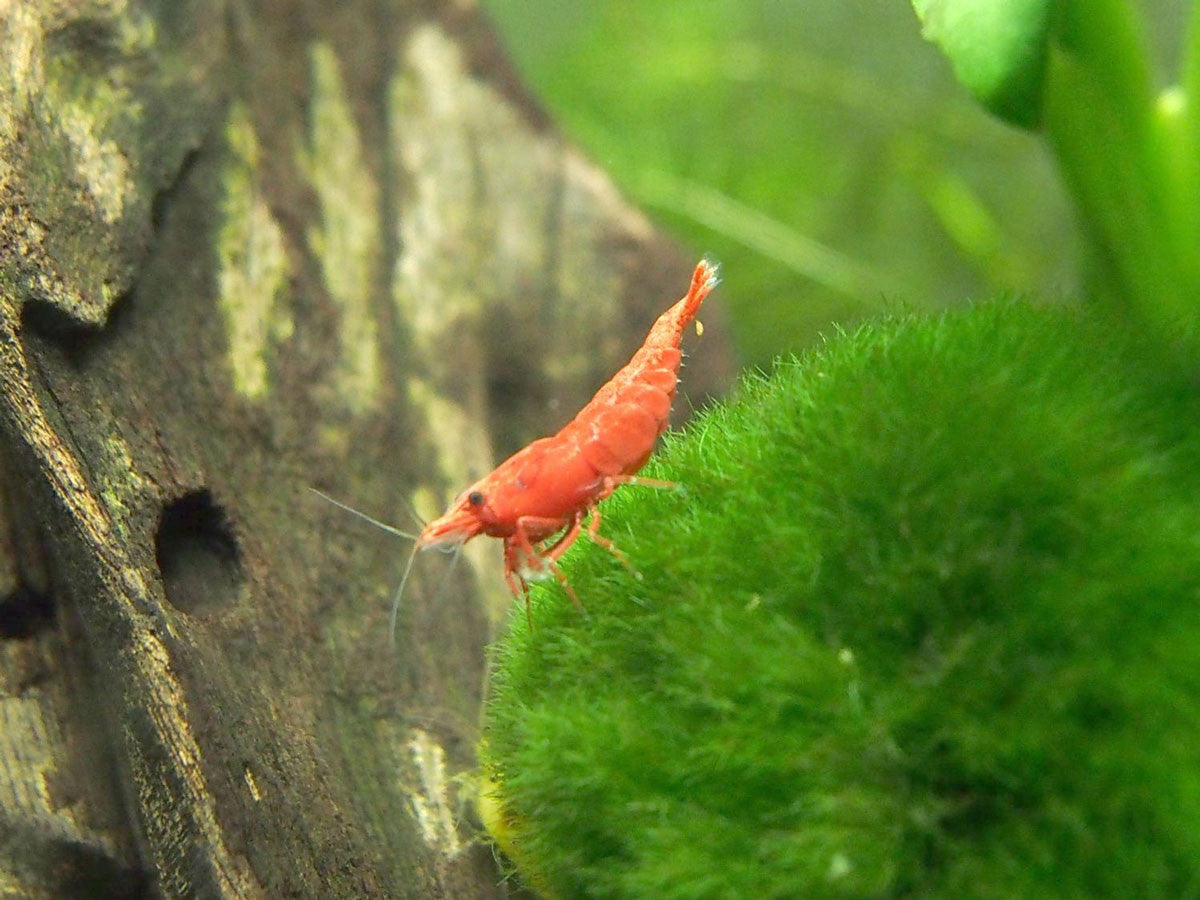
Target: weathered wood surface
[{"x": 246, "y": 248}]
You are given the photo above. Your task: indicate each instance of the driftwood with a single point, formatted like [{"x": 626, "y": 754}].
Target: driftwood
[{"x": 244, "y": 249}]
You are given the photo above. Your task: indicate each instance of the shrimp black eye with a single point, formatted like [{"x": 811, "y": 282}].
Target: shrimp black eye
[{"x": 475, "y": 498}]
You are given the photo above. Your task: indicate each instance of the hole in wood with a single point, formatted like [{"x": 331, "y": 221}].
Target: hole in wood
[
  {"x": 25, "y": 613},
  {"x": 83, "y": 871},
  {"x": 198, "y": 555}
]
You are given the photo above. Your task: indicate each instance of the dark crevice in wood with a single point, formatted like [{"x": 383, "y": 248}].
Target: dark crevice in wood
[
  {"x": 64, "y": 867},
  {"x": 198, "y": 555},
  {"x": 76, "y": 340},
  {"x": 88, "y": 40},
  {"x": 516, "y": 391},
  {"x": 163, "y": 199},
  {"x": 25, "y": 613}
]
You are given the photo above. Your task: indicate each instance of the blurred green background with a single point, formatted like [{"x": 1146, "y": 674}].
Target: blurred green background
[{"x": 821, "y": 151}]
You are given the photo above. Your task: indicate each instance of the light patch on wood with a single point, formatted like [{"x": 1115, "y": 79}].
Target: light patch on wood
[
  {"x": 486, "y": 186},
  {"x": 98, "y": 164},
  {"x": 428, "y": 505},
  {"x": 12, "y": 886},
  {"x": 21, "y": 83},
  {"x": 346, "y": 240},
  {"x": 20, "y": 62},
  {"x": 86, "y": 107},
  {"x": 252, "y": 784},
  {"x": 135, "y": 29},
  {"x": 461, "y": 443},
  {"x": 120, "y": 483},
  {"x": 493, "y": 209},
  {"x": 431, "y": 794},
  {"x": 439, "y": 281},
  {"x": 497, "y": 220},
  {"x": 252, "y": 263},
  {"x": 31, "y": 746}
]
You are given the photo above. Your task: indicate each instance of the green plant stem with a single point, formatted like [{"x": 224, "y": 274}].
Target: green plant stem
[
  {"x": 1190, "y": 131},
  {"x": 1122, "y": 161},
  {"x": 1106, "y": 35},
  {"x": 1191, "y": 74}
]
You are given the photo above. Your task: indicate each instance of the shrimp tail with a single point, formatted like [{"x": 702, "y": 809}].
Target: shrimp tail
[{"x": 668, "y": 329}]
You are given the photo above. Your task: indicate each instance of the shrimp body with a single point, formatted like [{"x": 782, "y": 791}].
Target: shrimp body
[{"x": 551, "y": 485}]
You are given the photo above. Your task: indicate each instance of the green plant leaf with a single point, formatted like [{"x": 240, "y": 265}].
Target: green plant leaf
[{"x": 997, "y": 48}]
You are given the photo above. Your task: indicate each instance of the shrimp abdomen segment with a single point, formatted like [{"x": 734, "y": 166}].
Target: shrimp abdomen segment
[
  {"x": 622, "y": 436},
  {"x": 651, "y": 400}
]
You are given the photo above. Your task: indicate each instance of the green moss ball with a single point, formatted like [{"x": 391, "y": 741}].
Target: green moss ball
[{"x": 924, "y": 621}]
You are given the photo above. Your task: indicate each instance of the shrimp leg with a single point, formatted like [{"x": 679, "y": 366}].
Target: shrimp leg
[
  {"x": 516, "y": 584},
  {"x": 597, "y": 538},
  {"x": 555, "y": 550},
  {"x": 540, "y": 524},
  {"x": 520, "y": 587},
  {"x": 537, "y": 523},
  {"x": 520, "y": 548},
  {"x": 607, "y": 486}
]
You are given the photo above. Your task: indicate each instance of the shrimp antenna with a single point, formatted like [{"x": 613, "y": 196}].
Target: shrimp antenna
[
  {"x": 412, "y": 508},
  {"x": 396, "y": 597},
  {"x": 362, "y": 515},
  {"x": 441, "y": 591}
]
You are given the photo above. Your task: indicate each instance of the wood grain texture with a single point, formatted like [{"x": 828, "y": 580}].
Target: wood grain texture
[{"x": 244, "y": 249}]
